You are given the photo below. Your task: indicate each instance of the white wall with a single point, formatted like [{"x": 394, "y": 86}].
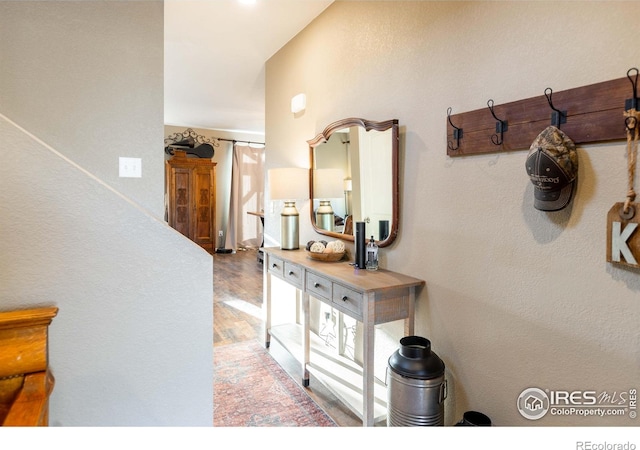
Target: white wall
[
  {"x": 132, "y": 344},
  {"x": 515, "y": 297}
]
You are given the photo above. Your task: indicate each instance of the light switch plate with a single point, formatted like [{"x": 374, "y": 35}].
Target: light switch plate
[{"x": 130, "y": 167}]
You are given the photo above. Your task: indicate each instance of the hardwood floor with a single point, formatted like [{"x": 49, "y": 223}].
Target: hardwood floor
[
  {"x": 237, "y": 317},
  {"x": 237, "y": 297}
]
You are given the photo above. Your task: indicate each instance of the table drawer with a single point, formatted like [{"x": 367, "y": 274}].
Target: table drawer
[
  {"x": 293, "y": 274},
  {"x": 319, "y": 286},
  {"x": 276, "y": 266},
  {"x": 347, "y": 300}
]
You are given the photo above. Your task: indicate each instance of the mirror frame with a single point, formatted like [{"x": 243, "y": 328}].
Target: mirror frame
[{"x": 368, "y": 125}]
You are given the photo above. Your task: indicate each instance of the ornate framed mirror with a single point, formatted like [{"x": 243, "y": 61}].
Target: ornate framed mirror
[{"x": 354, "y": 178}]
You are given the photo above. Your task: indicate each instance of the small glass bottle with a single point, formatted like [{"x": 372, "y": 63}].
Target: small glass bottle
[{"x": 372, "y": 255}]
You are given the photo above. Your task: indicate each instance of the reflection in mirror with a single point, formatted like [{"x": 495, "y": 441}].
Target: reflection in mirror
[
  {"x": 355, "y": 179},
  {"x": 328, "y": 185}
]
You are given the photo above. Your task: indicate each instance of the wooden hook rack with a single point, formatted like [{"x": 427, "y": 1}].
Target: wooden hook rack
[{"x": 594, "y": 113}]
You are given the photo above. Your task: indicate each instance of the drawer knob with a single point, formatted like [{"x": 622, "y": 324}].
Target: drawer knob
[
  {"x": 316, "y": 285},
  {"x": 291, "y": 272},
  {"x": 274, "y": 265},
  {"x": 345, "y": 298}
]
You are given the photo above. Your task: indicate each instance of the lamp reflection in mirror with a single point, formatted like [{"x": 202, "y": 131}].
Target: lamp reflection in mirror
[
  {"x": 348, "y": 187},
  {"x": 328, "y": 184},
  {"x": 289, "y": 184}
]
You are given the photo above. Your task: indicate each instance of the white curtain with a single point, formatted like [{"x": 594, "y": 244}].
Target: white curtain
[{"x": 247, "y": 198}]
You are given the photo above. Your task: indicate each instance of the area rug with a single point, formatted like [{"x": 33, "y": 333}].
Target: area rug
[{"x": 252, "y": 390}]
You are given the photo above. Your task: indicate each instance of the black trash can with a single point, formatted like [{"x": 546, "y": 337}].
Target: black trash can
[
  {"x": 416, "y": 386},
  {"x": 474, "y": 419}
]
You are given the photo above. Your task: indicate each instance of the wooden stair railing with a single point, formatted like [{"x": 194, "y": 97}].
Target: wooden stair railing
[{"x": 26, "y": 381}]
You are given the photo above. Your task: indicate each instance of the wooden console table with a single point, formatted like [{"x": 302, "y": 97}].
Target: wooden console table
[{"x": 370, "y": 297}]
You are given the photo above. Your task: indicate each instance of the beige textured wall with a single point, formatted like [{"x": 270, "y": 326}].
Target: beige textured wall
[
  {"x": 515, "y": 297},
  {"x": 88, "y": 91},
  {"x": 132, "y": 342}
]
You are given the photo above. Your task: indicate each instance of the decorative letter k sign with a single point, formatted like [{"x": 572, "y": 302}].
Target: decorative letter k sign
[{"x": 623, "y": 244}]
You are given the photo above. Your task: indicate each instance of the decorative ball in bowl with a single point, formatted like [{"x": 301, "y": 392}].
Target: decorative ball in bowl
[{"x": 326, "y": 251}]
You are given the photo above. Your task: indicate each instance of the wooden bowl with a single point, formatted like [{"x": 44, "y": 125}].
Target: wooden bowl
[{"x": 328, "y": 257}]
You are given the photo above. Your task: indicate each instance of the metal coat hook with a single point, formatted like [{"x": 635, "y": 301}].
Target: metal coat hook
[
  {"x": 631, "y": 122},
  {"x": 457, "y": 133},
  {"x": 632, "y": 103},
  {"x": 501, "y": 126},
  {"x": 557, "y": 116}
]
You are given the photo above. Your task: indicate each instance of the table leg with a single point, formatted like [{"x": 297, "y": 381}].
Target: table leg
[
  {"x": 409, "y": 322},
  {"x": 341, "y": 334},
  {"x": 266, "y": 295},
  {"x": 260, "y": 252},
  {"x": 305, "y": 338},
  {"x": 368, "y": 355}
]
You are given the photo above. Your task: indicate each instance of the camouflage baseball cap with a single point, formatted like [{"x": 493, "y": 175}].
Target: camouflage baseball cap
[{"x": 552, "y": 165}]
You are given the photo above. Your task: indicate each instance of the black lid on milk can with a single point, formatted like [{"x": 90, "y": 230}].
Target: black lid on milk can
[{"x": 414, "y": 359}]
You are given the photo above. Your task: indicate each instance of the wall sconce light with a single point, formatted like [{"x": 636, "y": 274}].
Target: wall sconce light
[
  {"x": 298, "y": 103},
  {"x": 328, "y": 184},
  {"x": 289, "y": 184}
]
